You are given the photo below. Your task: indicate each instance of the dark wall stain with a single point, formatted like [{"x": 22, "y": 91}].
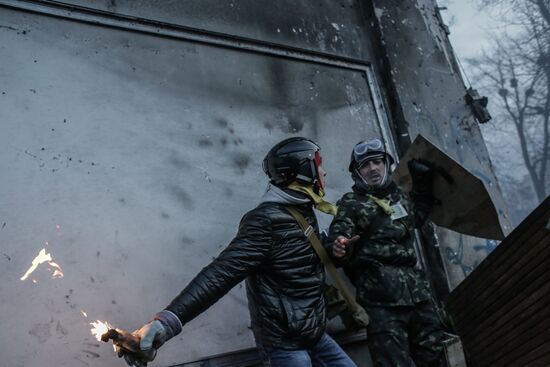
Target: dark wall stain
[
  {"x": 60, "y": 329},
  {"x": 187, "y": 240},
  {"x": 222, "y": 122},
  {"x": 183, "y": 197},
  {"x": 205, "y": 142},
  {"x": 179, "y": 163},
  {"x": 269, "y": 126},
  {"x": 295, "y": 125},
  {"x": 10, "y": 28},
  {"x": 241, "y": 161},
  {"x": 91, "y": 354},
  {"x": 41, "y": 331},
  {"x": 95, "y": 345}
]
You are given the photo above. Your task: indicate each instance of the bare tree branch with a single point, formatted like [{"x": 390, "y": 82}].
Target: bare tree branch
[{"x": 516, "y": 73}]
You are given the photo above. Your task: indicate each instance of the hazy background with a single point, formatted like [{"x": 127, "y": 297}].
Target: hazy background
[{"x": 503, "y": 46}]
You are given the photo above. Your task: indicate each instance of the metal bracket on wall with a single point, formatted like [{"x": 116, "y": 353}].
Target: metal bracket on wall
[{"x": 478, "y": 104}]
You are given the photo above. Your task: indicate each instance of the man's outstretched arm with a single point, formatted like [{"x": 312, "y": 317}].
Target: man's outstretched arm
[{"x": 246, "y": 252}]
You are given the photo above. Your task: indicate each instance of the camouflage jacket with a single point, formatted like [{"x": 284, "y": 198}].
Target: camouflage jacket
[{"x": 383, "y": 262}]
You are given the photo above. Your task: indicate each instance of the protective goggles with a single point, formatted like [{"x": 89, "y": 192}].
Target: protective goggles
[{"x": 368, "y": 149}]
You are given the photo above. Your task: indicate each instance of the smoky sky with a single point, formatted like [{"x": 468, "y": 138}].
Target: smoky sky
[{"x": 470, "y": 27}]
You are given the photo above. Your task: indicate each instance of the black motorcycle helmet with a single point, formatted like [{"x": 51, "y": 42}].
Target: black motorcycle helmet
[{"x": 294, "y": 159}]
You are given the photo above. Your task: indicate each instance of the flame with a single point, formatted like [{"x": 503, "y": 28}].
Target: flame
[
  {"x": 58, "y": 273},
  {"x": 42, "y": 258},
  {"x": 99, "y": 328}
]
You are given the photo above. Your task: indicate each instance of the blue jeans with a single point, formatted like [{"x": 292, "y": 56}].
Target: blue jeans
[{"x": 323, "y": 354}]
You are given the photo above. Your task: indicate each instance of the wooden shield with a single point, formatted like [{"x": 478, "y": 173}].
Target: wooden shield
[{"x": 462, "y": 202}]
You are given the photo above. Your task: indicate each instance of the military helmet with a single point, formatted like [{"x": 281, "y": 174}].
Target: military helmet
[
  {"x": 368, "y": 150},
  {"x": 293, "y": 159}
]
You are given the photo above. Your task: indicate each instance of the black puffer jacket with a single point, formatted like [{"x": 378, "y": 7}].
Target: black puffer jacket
[{"x": 284, "y": 279}]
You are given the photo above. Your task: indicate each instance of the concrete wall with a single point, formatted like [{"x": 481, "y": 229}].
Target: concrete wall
[
  {"x": 335, "y": 27},
  {"x": 134, "y": 156},
  {"x": 133, "y": 147}
]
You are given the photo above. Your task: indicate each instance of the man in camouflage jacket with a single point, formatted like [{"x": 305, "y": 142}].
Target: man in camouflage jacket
[{"x": 404, "y": 326}]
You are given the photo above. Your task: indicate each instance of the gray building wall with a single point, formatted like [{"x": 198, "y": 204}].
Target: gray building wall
[
  {"x": 132, "y": 136},
  {"x": 335, "y": 27}
]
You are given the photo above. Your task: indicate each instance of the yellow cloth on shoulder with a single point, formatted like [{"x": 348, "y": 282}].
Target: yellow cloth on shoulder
[
  {"x": 320, "y": 204},
  {"x": 383, "y": 204}
]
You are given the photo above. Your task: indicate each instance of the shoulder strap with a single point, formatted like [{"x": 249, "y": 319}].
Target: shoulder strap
[{"x": 325, "y": 259}]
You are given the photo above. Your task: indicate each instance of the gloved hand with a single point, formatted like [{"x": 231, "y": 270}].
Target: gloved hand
[
  {"x": 422, "y": 174},
  {"x": 164, "y": 326},
  {"x": 420, "y": 167}
]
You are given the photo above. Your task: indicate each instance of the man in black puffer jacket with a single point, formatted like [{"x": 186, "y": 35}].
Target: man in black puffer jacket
[{"x": 284, "y": 276}]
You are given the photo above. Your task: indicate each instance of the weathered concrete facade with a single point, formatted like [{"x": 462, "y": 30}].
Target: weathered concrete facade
[{"x": 132, "y": 134}]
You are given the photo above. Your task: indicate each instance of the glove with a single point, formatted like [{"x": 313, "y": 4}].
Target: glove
[
  {"x": 420, "y": 168},
  {"x": 164, "y": 326},
  {"x": 422, "y": 174}
]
